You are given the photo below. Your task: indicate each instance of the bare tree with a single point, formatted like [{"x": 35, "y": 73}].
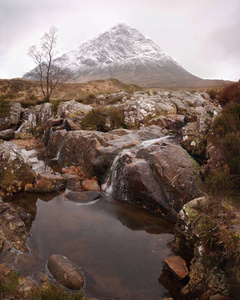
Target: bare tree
[{"x": 49, "y": 69}]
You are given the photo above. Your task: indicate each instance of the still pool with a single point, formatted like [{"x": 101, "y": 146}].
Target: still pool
[{"x": 119, "y": 248}]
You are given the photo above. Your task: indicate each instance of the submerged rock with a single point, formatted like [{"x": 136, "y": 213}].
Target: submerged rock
[
  {"x": 65, "y": 272},
  {"x": 82, "y": 197}
]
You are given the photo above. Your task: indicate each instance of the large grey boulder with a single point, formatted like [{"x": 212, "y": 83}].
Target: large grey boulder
[
  {"x": 73, "y": 110},
  {"x": 159, "y": 177},
  {"x": 10, "y": 115}
]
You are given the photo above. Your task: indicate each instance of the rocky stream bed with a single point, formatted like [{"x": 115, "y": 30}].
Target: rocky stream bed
[{"x": 105, "y": 203}]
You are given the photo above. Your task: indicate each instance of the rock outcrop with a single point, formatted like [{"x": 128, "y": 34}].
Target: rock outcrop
[
  {"x": 15, "y": 169},
  {"x": 159, "y": 177}
]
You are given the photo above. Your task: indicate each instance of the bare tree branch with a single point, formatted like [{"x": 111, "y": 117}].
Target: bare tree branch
[{"x": 49, "y": 69}]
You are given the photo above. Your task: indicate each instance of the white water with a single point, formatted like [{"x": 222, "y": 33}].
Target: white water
[
  {"x": 108, "y": 186},
  {"x": 153, "y": 141}
]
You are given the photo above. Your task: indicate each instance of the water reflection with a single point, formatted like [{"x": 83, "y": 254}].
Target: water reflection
[{"x": 120, "y": 248}]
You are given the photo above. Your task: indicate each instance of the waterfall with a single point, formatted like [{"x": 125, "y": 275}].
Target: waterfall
[
  {"x": 153, "y": 141},
  {"x": 108, "y": 186},
  {"x": 127, "y": 154}
]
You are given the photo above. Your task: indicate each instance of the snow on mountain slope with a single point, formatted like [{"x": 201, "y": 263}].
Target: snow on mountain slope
[{"x": 123, "y": 53}]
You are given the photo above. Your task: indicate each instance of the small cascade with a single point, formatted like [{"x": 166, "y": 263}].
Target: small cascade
[
  {"x": 153, "y": 141},
  {"x": 126, "y": 155},
  {"x": 37, "y": 165},
  {"x": 108, "y": 186}
]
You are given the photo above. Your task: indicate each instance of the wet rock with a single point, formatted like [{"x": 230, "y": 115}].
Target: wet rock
[
  {"x": 13, "y": 230},
  {"x": 7, "y": 134},
  {"x": 159, "y": 176},
  {"x": 177, "y": 266},
  {"x": 54, "y": 143},
  {"x": 28, "y": 122},
  {"x": 82, "y": 197},
  {"x": 72, "y": 181},
  {"x": 4, "y": 269},
  {"x": 219, "y": 297},
  {"x": 65, "y": 272},
  {"x": 15, "y": 169},
  {"x": 47, "y": 182},
  {"x": 90, "y": 185},
  {"x": 26, "y": 286},
  {"x": 81, "y": 148},
  {"x": 50, "y": 127}
]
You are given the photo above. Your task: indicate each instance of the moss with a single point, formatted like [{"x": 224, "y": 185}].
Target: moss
[{"x": 192, "y": 213}]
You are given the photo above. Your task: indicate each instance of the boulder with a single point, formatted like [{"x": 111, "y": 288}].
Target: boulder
[
  {"x": 10, "y": 115},
  {"x": 194, "y": 134},
  {"x": 54, "y": 143},
  {"x": 28, "y": 122},
  {"x": 13, "y": 230},
  {"x": 43, "y": 112},
  {"x": 159, "y": 176},
  {"x": 15, "y": 113},
  {"x": 72, "y": 181},
  {"x": 82, "y": 197},
  {"x": 192, "y": 140},
  {"x": 47, "y": 182},
  {"x": 15, "y": 169},
  {"x": 80, "y": 148},
  {"x": 90, "y": 185},
  {"x": 177, "y": 266},
  {"x": 26, "y": 286},
  {"x": 170, "y": 122},
  {"x": 7, "y": 134},
  {"x": 73, "y": 110},
  {"x": 65, "y": 272}
]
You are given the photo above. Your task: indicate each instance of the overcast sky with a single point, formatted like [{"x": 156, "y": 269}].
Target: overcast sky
[{"x": 202, "y": 35}]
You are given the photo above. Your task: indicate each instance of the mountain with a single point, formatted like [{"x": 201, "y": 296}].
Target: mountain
[{"x": 124, "y": 53}]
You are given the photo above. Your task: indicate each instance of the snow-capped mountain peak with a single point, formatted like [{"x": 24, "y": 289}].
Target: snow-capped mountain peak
[{"x": 122, "y": 52}]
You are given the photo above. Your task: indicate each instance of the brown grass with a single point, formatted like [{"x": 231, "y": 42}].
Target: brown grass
[{"x": 29, "y": 92}]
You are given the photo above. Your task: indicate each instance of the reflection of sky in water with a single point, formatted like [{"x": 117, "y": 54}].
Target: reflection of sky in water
[{"x": 108, "y": 240}]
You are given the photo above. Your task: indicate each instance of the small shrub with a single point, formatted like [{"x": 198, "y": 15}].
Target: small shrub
[
  {"x": 17, "y": 85},
  {"x": 55, "y": 105},
  {"x": 230, "y": 94},
  {"x": 103, "y": 119},
  {"x": 212, "y": 94},
  {"x": 4, "y": 108}
]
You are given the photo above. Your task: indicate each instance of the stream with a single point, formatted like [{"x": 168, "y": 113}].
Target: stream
[{"x": 119, "y": 248}]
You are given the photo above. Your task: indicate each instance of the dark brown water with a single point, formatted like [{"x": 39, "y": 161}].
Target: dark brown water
[{"x": 119, "y": 248}]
